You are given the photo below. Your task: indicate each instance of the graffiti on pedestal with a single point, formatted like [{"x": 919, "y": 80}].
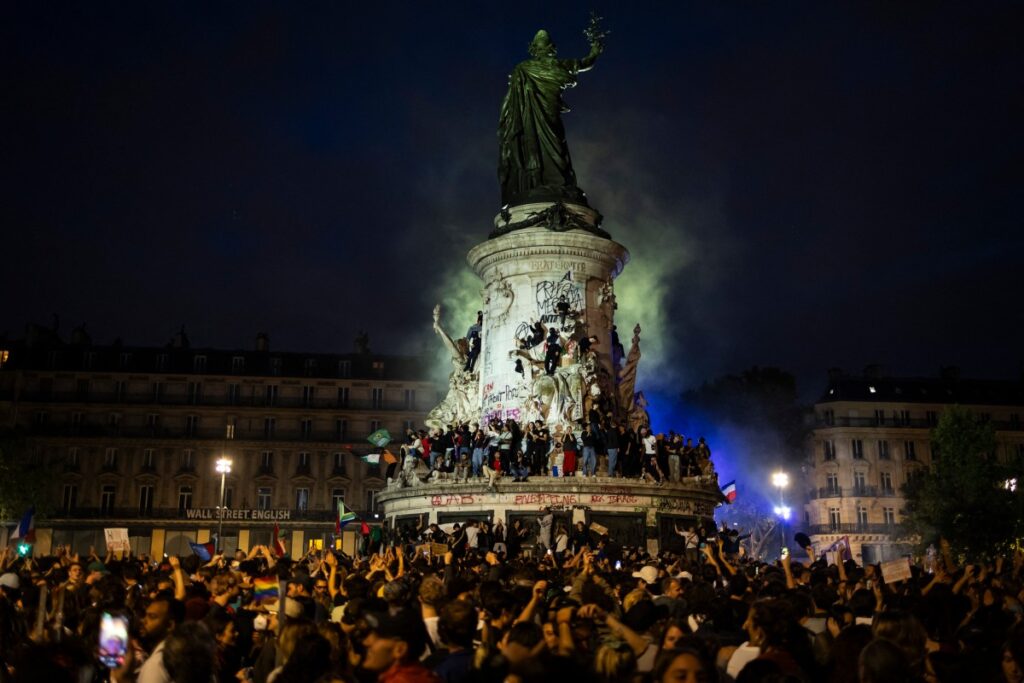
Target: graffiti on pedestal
[
  {"x": 558, "y": 299},
  {"x": 453, "y": 499},
  {"x": 501, "y": 402}
]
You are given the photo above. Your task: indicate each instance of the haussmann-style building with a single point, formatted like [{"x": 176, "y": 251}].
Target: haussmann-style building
[
  {"x": 130, "y": 438},
  {"x": 872, "y": 434}
]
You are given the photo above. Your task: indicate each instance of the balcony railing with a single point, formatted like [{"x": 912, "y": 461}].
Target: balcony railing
[
  {"x": 852, "y": 492},
  {"x": 822, "y": 529},
  {"x": 87, "y": 513},
  {"x": 198, "y": 434},
  {"x": 326, "y": 403}
]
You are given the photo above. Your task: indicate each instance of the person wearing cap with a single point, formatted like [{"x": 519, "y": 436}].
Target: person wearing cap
[
  {"x": 393, "y": 648},
  {"x": 648, "y": 576}
]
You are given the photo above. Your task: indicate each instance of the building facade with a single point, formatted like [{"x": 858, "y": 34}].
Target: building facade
[
  {"x": 872, "y": 434},
  {"x": 130, "y": 438}
]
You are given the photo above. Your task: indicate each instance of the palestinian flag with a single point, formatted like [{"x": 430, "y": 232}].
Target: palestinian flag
[
  {"x": 344, "y": 517},
  {"x": 278, "y": 544}
]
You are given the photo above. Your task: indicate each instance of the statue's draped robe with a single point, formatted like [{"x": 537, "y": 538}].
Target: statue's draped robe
[{"x": 534, "y": 160}]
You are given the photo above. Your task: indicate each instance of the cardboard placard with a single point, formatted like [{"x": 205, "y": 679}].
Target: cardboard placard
[
  {"x": 896, "y": 570},
  {"x": 599, "y": 529},
  {"x": 432, "y": 549},
  {"x": 117, "y": 539}
]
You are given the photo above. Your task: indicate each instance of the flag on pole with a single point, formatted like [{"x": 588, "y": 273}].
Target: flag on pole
[
  {"x": 204, "y": 551},
  {"x": 842, "y": 547},
  {"x": 26, "y": 529},
  {"x": 344, "y": 517},
  {"x": 372, "y": 458},
  {"x": 729, "y": 491},
  {"x": 278, "y": 544},
  {"x": 388, "y": 457},
  {"x": 380, "y": 438}
]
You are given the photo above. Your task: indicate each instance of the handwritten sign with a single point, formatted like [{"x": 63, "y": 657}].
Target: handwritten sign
[
  {"x": 117, "y": 539},
  {"x": 896, "y": 570}
]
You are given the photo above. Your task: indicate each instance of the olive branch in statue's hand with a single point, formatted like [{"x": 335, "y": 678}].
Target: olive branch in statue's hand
[{"x": 594, "y": 33}]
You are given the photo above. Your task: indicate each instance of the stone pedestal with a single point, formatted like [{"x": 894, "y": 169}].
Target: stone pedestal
[
  {"x": 526, "y": 273},
  {"x": 636, "y": 514}
]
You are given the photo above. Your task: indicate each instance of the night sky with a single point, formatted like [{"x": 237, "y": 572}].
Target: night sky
[{"x": 801, "y": 185}]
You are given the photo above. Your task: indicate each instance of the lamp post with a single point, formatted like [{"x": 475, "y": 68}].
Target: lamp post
[
  {"x": 780, "y": 480},
  {"x": 224, "y": 467}
]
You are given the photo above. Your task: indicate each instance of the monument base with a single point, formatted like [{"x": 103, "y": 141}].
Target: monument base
[{"x": 635, "y": 514}]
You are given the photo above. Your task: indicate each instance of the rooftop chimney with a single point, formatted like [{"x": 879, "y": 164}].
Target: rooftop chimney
[
  {"x": 262, "y": 341},
  {"x": 873, "y": 371}
]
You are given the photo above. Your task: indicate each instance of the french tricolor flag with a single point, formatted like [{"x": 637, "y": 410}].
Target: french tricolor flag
[
  {"x": 26, "y": 529},
  {"x": 729, "y": 491}
]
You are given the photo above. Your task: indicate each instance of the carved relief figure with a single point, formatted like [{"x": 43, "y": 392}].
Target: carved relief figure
[{"x": 460, "y": 404}]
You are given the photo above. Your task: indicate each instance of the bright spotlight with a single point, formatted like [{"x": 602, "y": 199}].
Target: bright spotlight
[{"x": 780, "y": 480}]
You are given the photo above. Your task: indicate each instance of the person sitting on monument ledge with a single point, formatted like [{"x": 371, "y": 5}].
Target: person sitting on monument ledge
[
  {"x": 462, "y": 468},
  {"x": 493, "y": 472},
  {"x": 535, "y": 338},
  {"x": 520, "y": 467}
]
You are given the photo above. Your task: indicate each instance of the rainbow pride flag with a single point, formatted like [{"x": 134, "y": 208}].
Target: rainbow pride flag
[{"x": 266, "y": 589}]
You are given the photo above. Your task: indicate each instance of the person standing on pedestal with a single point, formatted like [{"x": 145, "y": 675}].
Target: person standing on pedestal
[
  {"x": 611, "y": 444},
  {"x": 589, "y": 452},
  {"x": 570, "y": 448},
  {"x": 545, "y": 521},
  {"x": 674, "y": 446},
  {"x": 553, "y": 352},
  {"x": 479, "y": 444}
]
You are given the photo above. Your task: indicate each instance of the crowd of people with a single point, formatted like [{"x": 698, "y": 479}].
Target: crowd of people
[
  {"x": 525, "y": 606},
  {"x": 598, "y": 447}
]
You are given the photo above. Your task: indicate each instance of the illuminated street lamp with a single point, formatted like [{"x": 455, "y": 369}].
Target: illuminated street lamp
[
  {"x": 780, "y": 480},
  {"x": 224, "y": 468}
]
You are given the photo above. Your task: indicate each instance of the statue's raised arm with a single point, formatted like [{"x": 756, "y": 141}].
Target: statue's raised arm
[
  {"x": 595, "y": 37},
  {"x": 458, "y": 355},
  {"x": 533, "y": 161}
]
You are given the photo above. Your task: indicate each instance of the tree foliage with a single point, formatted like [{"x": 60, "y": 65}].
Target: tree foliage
[
  {"x": 22, "y": 478},
  {"x": 965, "y": 498}
]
